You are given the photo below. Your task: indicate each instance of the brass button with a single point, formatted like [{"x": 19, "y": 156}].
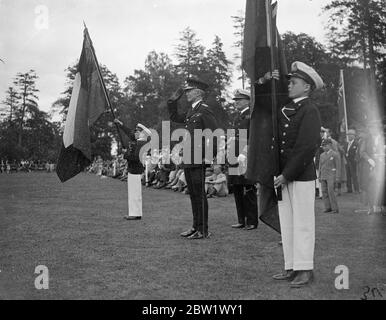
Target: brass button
[
  {"x": 283, "y": 142},
  {"x": 287, "y": 125},
  {"x": 282, "y": 151},
  {"x": 284, "y": 134}
]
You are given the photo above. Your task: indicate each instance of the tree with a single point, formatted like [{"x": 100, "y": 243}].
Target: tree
[
  {"x": 10, "y": 103},
  {"x": 357, "y": 34},
  {"x": 189, "y": 53},
  {"x": 217, "y": 74},
  {"x": 26, "y": 90},
  {"x": 148, "y": 89},
  {"x": 42, "y": 138},
  {"x": 239, "y": 24}
]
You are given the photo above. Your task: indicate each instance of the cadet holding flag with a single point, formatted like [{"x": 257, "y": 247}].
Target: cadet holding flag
[
  {"x": 299, "y": 138},
  {"x": 138, "y": 138}
]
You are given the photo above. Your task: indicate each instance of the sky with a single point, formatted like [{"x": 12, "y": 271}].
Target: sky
[{"x": 47, "y": 35}]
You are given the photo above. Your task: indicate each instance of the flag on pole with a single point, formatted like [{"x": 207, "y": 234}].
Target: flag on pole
[
  {"x": 88, "y": 102},
  {"x": 342, "y": 106},
  {"x": 258, "y": 42}
]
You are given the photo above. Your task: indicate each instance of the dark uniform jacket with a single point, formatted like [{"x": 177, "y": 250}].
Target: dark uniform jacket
[
  {"x": 133, "y": 157},
  {"x": 201, "y": 117},
  {"x": 330, "y": 166},
  {"x": 241, "y": 122},
  {"x": 299, "y": 139},
  {"x": 352, "y": 153}
]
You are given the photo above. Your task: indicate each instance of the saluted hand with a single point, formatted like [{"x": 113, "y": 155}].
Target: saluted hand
[{"x": 176, "y": 95}]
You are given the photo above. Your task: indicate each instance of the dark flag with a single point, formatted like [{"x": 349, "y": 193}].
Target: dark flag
[
  {"x": 263, "y": 52},
  {"x": 88, "y": 101}
]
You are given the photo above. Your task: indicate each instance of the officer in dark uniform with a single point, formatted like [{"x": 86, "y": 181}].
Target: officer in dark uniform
[
  {"x": 244, "y": 191},
  {"x": 201, "y": 117}
]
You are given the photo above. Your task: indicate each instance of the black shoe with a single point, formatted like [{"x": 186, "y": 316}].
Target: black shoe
[
  {"x": 133, "y": 218},
  {"x": 287, "y": 275},
  {"x": 334, "y": 212},
  {"x": 188, "y": 233},
  {"x": 302, "y": 279},
  {"x": 238, "y": 226},
  {"x": 250, "y": 227},
  {"x": 199, "y": 235},
  {"x": 327, "y": 211}
]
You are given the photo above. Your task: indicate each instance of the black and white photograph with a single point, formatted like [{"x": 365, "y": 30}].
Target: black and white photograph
[{"x": 192, "y": 157}]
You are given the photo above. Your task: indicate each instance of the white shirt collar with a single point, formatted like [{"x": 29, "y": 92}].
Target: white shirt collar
[
  {"x": 299, "y": 99},
  {"x": 195, "y": 104}
]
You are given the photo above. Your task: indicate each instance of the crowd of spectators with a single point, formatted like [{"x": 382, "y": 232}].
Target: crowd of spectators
[
  {"x": 9, "y": 167},
  {"x": 361, "y": 167},
  {"x": 162, "y": 174},
  {"x": 360, "y": 174}
]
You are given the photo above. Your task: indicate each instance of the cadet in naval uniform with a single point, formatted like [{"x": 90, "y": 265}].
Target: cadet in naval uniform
[
  {"x": 199, "y": 117},
  {"x": 299, "y": 138},
  {"x": 135, "y": 168},
  {"x": 244, "y": 191}
]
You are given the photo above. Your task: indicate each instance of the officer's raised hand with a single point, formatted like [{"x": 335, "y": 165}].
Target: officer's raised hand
[{"x": 176, "y": 95}]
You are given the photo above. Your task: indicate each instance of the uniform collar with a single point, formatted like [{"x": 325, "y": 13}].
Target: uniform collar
[
  {"x": 195, "y": 104},
  {"x": 297, "y": 100}
]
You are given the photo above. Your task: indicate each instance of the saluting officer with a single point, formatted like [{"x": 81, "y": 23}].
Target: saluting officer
[
  {"x": 299, "y": 138},
  {"x": 244, "y": 191},
  {"x": 199, "y": 117}
]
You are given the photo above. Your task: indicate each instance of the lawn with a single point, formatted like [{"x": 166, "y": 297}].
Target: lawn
[{"x": 77, "y": 230}]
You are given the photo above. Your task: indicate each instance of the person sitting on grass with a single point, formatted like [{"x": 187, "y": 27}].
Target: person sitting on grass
[
  {"x": 181, "y": 185},
  {"x": 216, "y": 185}
]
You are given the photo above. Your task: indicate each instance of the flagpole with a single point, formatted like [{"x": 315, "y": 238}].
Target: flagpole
[
  {"x": 344, "y": 102},
  {"x": 275, "y": 130},
  {"x": 101, "y": 79}
]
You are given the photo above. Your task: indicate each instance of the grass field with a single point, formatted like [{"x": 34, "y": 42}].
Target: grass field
[{"x": 77, "y": 230}]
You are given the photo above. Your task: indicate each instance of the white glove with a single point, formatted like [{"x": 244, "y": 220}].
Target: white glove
[
  {"x": 371, "y": 162},
  {"x": 241, "y": 159}
]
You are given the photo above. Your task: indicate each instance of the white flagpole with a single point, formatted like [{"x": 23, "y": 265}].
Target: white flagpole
[{"x": 344, "y": 102}]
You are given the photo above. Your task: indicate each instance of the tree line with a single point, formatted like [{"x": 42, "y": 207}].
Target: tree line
[{"x": 356, "y": 42}]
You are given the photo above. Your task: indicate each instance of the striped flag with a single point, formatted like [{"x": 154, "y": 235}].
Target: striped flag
[{"x": 88, "y": 102}]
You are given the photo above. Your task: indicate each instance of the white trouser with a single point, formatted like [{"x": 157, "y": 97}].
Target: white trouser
[
  {"x": 297, "y": 223},
  {"x": 134, "y": 194}
]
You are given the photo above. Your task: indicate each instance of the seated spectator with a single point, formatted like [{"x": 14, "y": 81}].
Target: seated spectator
[
  {"x": 216, "y": 184},
  {"x": 164, "y": 173},
  {"x": 174, "y": 176},
  {"x": 181, "y": 185}
]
